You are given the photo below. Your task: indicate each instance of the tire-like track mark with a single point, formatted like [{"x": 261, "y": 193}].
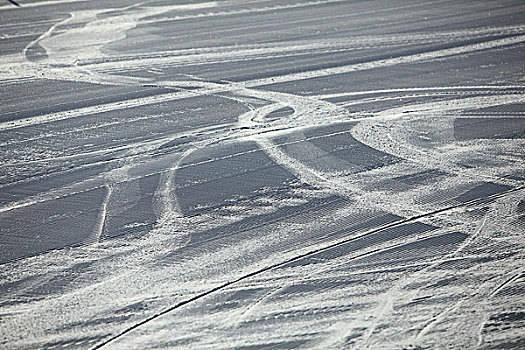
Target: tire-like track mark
[
  {"x": 296, "y": 258},
  {"x": 422, "y": 89}
]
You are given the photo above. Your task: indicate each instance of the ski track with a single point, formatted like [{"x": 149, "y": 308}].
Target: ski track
[
  {"x": 505, "y": 283},
  {"x": 95, "y": 238},
  {"x": 184, "y": 57},
  {"x": 19, "y": 123},
  {"x": 289, "y": 261},
  {"x": 388, "y": 299}
]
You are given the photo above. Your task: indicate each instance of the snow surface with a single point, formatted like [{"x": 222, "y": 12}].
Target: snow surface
[{"x": 262, "y": 174}]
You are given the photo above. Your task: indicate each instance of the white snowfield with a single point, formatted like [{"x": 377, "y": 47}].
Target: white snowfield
[{"x": 262, "y": 174}]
